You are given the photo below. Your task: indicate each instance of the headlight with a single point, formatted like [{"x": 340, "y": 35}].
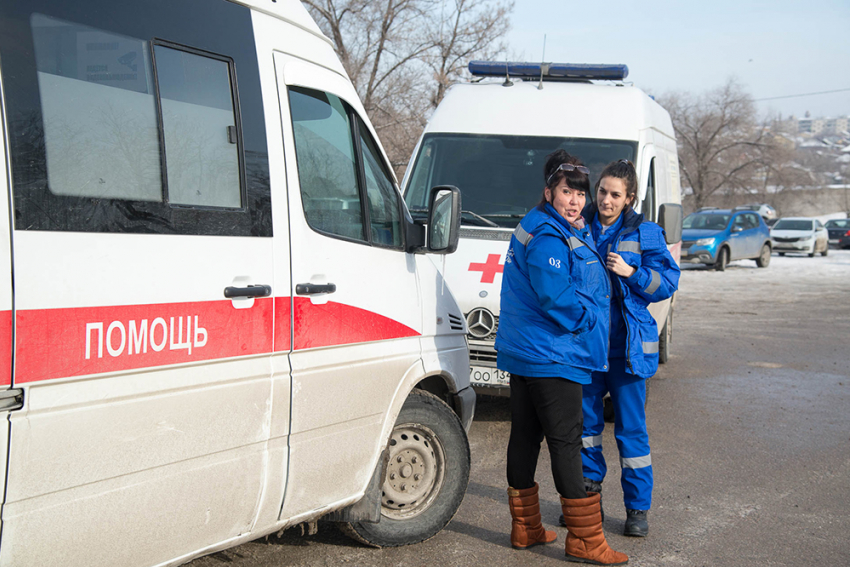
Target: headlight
[{"x": 704, "y": 242}]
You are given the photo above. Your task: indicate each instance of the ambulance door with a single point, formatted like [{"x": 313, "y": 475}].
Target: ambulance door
[
  {"x": 143, "y": 266},
  {"x": 357, "y": 315},
  {"x": 10, "y": 399}
]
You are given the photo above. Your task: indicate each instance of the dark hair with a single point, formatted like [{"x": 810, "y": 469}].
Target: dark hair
[
  {"x": 575, "y": 179},
  {"x": 624, "y": 170}
]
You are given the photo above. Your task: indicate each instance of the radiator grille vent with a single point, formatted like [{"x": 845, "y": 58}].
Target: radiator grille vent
[{"x": 482, "y": 354}]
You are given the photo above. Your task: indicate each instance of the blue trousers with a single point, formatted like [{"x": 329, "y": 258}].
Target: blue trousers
[{"x": 628, "y": 394}]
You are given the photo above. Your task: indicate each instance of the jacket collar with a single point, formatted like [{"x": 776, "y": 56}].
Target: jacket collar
[{"x": 631, "y": 219}]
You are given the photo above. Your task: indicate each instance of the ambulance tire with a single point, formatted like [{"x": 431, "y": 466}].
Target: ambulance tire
[
  {"x": 608, "y": 410},
  {"x": 665, "y": 338},
  {"x": 429, "y": 430}
]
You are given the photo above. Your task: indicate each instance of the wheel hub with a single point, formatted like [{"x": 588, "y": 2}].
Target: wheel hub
[{"x": 415, "y": 471}]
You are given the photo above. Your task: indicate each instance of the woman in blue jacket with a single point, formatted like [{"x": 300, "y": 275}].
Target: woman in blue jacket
[
  {"x": 642, "y": 271},
  {"x": 553, "y": 332}
]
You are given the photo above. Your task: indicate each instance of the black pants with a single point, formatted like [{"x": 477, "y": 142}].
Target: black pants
[{"x": 549, "y": 407}]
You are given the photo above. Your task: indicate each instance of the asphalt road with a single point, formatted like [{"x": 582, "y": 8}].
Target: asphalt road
[{"x": 750, "y": 431}]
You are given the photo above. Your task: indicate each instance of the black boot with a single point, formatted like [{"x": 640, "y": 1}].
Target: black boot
[
  {"x": 636, "y": 524},
  {"x": 589, "y": 486}
]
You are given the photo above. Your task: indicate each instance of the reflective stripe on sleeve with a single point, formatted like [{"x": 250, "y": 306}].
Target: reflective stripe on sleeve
[
  {"x": 650, "y": 348},
  {"x": 655, "y": 283},
  {"x": 636, "y": 462},
  {"x": 629, "y": 246},
  {"x": 574, "y": 243},
  {"x": 588, "y": 442},
  {"x": 523, "y": 237}
]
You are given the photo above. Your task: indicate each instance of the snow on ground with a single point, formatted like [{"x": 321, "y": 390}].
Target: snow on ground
[{"x": 787, "y": 278}]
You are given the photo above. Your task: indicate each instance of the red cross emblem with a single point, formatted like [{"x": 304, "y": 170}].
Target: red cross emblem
[{"x": 489, "y": 269}]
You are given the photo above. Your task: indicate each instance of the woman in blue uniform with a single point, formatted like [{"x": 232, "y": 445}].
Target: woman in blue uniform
[
  {"x": 642, "y": 271},
  {"x": 553, "y": 332}
]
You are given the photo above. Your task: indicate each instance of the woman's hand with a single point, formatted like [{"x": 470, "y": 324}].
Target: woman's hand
[{"x": 616, "y": 264}]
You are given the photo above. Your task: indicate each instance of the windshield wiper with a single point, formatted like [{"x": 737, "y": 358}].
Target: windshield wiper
[{"x": 476, "y": 216}]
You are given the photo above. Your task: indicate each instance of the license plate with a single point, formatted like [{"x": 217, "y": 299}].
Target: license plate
[
  {"x": 684, "y": 252},
  {"x": 833, "y": 241},
  {"x": 488, "y": 376}
]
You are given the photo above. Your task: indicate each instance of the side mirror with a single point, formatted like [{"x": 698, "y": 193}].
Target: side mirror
[
  {"x": 670, "y": 217},
  {"x": 737, "y": 229},
  {"x": 443, "y": 219}
]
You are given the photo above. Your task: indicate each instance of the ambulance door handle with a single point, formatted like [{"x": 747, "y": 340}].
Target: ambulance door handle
[
  {"x": 231, "y": 292},
  {"x": 11, "y": 399},
  {"x": 314, "y": 289}
]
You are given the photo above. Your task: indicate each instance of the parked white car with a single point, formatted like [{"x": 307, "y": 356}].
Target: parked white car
[
  {"x": 799, "y": 235},
  {"x": 764, "y": 210}
]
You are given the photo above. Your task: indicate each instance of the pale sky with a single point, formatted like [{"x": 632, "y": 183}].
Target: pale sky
[{"x": 774, "y": 48}]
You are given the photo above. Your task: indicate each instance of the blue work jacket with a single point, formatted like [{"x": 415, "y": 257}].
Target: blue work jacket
[
  {"x": 555, "y": 296},
  {"x": 642, "y": 245}
]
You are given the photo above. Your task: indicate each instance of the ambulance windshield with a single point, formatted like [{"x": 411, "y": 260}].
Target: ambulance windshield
[{"x": 500, "y": 177}]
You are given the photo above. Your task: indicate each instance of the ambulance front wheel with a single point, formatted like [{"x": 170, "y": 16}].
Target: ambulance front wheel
[
  {"x": 426, "y": 476},
  {"x": 665, "y": 338}
]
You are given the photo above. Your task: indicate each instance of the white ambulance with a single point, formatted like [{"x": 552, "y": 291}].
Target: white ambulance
[
  {"x": 218, "y": 319},
  {"x": 490, "y": 137}
]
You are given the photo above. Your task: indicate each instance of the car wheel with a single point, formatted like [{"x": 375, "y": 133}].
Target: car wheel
[
  {"x": 722, "y": 259},
  {"x": 665, "y": 338},
  {"x": 426, "y": 476},
  {"x": 763, "y": 260},
  {"x": 812, "y": 253},
  {"x": 825, "y": 250}
]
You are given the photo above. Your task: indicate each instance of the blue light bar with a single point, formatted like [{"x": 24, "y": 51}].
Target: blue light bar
[{"x": 551, "y": 71}]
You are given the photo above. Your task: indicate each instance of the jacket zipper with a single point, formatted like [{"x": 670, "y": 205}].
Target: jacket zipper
[{"x": 623, "y": 312}]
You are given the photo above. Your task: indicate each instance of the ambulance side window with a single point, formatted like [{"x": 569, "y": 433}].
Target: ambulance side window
[
  {"x": 327, "y": 168},
  {"x": 384, "y": 212},
  {"x": 99, "y": 112},
  {"x": 345, "y": 188},
  {"x": 199, "y": 129},
  {"x": 134, "y": 124}
]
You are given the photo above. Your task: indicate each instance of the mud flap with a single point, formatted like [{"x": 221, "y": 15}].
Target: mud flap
[{"x": 367, "y": 509}]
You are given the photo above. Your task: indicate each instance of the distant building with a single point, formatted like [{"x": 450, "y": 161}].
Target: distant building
[{"x": 815, "y": 126}]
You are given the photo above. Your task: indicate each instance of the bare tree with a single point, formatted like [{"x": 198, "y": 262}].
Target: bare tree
[
  {"x": 467, "y": 29},
  {"x": 402, "y": 55},
  {"x": 722, "y": 145}
]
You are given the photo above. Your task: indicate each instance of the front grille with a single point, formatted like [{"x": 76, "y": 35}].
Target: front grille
[
  {"x": 455, "y": 322},
  {"x": 482, "y": 353},
  {"x": 687, "y": 243},
  {"x": 786, "y": 239}
]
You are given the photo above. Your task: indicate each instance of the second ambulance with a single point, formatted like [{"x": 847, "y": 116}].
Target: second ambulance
[{"x": 490, "y": 137}]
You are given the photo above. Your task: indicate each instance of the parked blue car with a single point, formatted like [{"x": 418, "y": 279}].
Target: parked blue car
[{"x": 718, "y": 236}]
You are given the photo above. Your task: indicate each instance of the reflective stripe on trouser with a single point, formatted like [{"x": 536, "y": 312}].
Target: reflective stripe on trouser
[{"x": 628, "y": 394}]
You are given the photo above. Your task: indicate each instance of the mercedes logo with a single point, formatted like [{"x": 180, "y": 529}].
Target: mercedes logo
[{"x": 481, "y": 322}]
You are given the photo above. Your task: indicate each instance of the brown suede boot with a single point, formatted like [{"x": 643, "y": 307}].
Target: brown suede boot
[
  {"x": 526, "y": 528},
  {"x": 585, "y": 541}
]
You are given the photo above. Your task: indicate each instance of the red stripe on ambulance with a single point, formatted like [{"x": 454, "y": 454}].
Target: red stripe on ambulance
[
  {"x": 60, "y": 343},
  {"x": 339, "y": 324},
  {"x": 57, "y": 343},
  {"x": 5, "y": 348}
]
